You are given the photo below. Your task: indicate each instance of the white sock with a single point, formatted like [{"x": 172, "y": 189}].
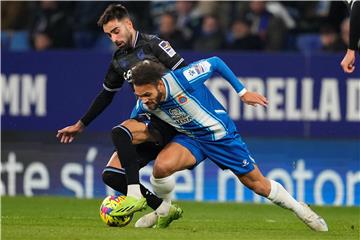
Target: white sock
[
  {"x": 282, "y": 198},
  {"x": 163, "y": 209},
  {"x": 134, "y": 191},
  {"x": 163, "y": 187}
]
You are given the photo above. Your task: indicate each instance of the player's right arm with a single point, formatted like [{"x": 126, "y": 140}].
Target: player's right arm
[
  {"x": 202, "y": 70},
  {"x": 113, "y": 82}
]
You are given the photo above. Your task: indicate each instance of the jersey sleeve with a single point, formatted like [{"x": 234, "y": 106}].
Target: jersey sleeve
[
  {"x": 102, "y": 100},
  {"x": 113, "y": 80},
  {"x": 198, "y": 72},
  {"x": 137, "y": 110},
  {"x": 354, "y": 38},
  {"x": 166, "y": 54}
]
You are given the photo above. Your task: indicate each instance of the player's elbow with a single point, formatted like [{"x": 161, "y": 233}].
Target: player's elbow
[
  {"x": 215, "y": 59},
  {"x": 216, "y": 62}
]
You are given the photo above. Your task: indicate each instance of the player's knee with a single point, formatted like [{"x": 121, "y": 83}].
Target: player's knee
[{"x": 162, "y": 169}]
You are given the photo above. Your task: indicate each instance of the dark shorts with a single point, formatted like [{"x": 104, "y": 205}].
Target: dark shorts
[{"x": 162, "y": 132}]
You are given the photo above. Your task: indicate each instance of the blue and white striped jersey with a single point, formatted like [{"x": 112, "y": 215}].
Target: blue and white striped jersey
[{"x": 190, "y": 107}]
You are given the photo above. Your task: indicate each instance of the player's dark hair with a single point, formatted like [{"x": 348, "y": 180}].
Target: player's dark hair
[
  {"x": 147, "y": 72},
  {"x": 113, "y": 11}
]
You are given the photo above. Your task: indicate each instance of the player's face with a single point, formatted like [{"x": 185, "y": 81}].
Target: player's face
[
  {"x": 120, "y": 32},
  {"x": 151, "y": 95}
]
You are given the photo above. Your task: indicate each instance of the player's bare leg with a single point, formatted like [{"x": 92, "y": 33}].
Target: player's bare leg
[
  {"x": 174, "y": 157},
  {"x": 114, "y": 161},
  {"x": 276, "y": 193}
]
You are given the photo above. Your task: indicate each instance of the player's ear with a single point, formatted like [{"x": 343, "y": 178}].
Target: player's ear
[
  {"x": 161, "y": 83},
  {"x": 129, "y": 23}
]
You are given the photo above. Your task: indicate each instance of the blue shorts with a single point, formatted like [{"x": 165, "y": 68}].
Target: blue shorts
[{"x": 228, "y": 153}]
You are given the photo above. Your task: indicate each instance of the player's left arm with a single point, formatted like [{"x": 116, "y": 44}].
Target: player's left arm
[
  {"x": 166, "y": 54},
  {"x": 216, "y": 64}
]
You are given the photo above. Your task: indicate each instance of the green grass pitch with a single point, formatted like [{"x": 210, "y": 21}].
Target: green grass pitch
[{"x": 62, "y": 218}]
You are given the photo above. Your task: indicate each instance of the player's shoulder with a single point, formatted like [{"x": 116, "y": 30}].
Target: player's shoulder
[
  {"x": 149, "y": 38},
  {"x": 351, "y": 3},
  {"x": 155, "y": 41}
]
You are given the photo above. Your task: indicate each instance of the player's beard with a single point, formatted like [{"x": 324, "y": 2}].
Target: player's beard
[
  {"x": 155, "y": 103},
  {"x": 128, "y": 40}
]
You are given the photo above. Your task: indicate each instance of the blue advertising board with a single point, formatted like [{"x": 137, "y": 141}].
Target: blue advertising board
[
  {"x": 308, "y": 138},
  {"x": 309, "y": 96},
  {"x": 321, "y": 172}
]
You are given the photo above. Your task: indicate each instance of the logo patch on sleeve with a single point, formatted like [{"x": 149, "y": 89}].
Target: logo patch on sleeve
[
  {"x": 164, "y": 45},
  {"x": 197, "y": 70}
]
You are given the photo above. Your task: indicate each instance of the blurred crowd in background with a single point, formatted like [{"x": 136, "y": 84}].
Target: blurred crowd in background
[{"x": 190, "y": 25}]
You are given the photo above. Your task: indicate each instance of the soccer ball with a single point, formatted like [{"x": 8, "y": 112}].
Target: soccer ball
[{"x": 108, "y": 204}]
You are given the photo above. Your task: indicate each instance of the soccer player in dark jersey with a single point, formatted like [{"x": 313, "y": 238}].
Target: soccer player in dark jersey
[
  {"x": 133, "y": 47},
  {"x": 354, "y": 39}
]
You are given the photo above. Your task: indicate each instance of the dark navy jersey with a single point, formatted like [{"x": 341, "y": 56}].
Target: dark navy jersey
[
  {"x": 351, "y": 3},
  {"x": 147, "y": 47},
  {"x": 354, "y": 35}
]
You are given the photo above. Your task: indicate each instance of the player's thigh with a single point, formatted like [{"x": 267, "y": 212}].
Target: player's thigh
[
  {"x": 138, "y": 129},
  {"x": 160, "y": 131},
  {"x": 114, "y": 161},
  {"x": 174, "y": 157}
]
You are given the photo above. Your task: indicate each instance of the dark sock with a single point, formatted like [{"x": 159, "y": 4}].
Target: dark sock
[
  {"x": 116, "y": 179},
  {"x": 152, "y": 200},
  {"x": 126, "y": 151}
]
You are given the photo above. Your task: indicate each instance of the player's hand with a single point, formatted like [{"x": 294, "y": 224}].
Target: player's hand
[
  {"x": 253, "y": 98},
  {"x": 67, "y": 134},
  {"x": 348, "y": 61}
]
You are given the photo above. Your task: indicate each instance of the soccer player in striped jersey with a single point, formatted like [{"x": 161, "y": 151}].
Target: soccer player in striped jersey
[
  {"x": 181, "y": 99},
  {"x": 354, "y": 37}
]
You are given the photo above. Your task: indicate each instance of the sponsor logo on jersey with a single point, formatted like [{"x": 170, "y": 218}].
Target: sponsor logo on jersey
[
  {"x": 164, "y": 45},
  {"x": 182, "y": 99},
  {"x": 127, "y": 75},
  {"x": 244, "y": 163},
  {"x": 197, "y": 70},
  {"x": 140, "y": 54},
  {"x": 179, "y": 116}
]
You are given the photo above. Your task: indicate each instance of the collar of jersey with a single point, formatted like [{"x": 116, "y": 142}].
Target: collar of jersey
[
  {"x": 167, "y": 88},
  {"x": 136, "y": 39}
]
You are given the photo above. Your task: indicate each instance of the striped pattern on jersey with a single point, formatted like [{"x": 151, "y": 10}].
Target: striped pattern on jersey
[{"x": 191, "y": 117}]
